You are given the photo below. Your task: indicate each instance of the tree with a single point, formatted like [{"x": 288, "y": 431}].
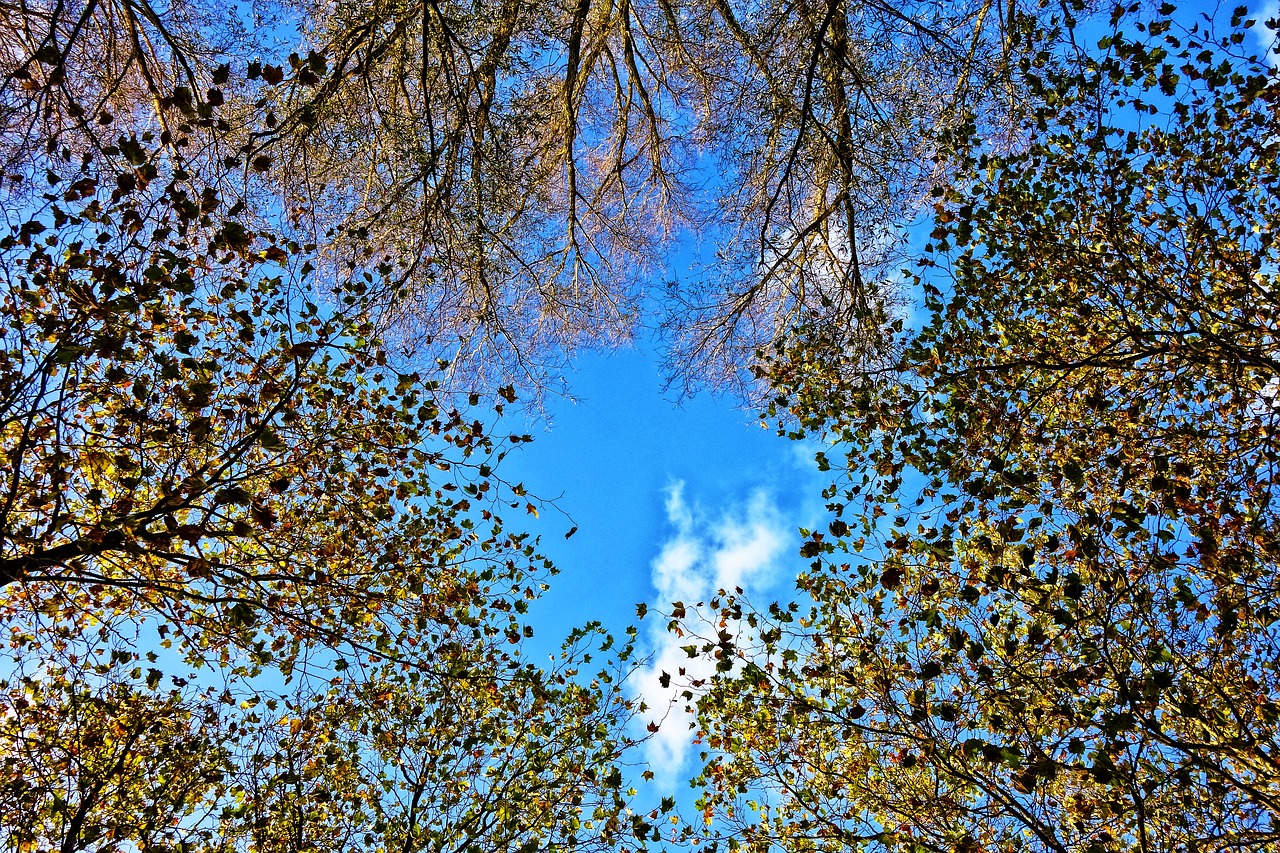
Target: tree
[
  {"x": 75, "y": 75},
  {"x": 524, "y": 162},
  {"x": 255, "y": 585},
  {"x": 520, "y": 167},
  {"x": 1043, "y": 615},
  {"x": 496, "y": 755},
  {"x": 185, "y": 428},
  {"x": 821, "y": 120}
]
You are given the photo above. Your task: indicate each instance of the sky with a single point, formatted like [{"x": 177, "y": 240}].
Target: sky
[{"x": 671, "y": 503}]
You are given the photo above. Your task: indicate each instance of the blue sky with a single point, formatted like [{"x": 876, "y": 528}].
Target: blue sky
[{"x": 671, "y": 502}]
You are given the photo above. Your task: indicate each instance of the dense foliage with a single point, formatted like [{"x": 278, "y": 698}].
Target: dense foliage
[
  {"x": 255, "y": 587},
  {"x": 1043, "y": 616}
]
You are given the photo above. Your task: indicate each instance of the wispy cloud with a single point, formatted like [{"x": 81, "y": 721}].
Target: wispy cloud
[{"x": 741, "y": 546}]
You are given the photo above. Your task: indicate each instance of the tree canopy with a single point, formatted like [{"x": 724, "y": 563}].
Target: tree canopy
[
  {"x": 1042, "y": 616},
  {"x": 256, "y": 588},
  {"x": 263, "y": 585},
  {"x": 522, "y": 168}
]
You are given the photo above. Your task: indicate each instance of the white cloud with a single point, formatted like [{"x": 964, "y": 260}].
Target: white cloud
[
  {"x": 1267, "y": 37},
  {"x": 743, "y": 546}
]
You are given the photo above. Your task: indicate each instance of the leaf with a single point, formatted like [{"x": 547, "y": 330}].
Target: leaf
[
  {"x": 891, "y": 577},
  {"x": 233, "y": 495},
  {"x": 48, "y": 54},
  {"x": 270, "y": 439}
]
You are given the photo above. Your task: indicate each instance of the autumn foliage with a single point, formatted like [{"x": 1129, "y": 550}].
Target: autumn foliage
[
  {"x": 257, "y": 591},
  {"x": 263, "y": 586},
  {"x": 1042, "y": 616}
]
